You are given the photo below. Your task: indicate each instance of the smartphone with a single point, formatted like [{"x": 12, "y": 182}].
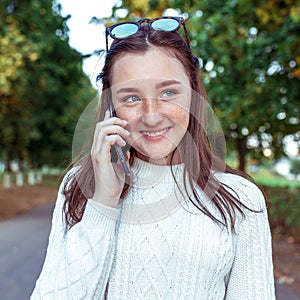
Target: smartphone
[{"x": 118, "y": 151}]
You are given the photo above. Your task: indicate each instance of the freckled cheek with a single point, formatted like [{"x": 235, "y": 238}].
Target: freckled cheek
[
  {"x": 124, "y": 114},
  {"x": 180, "y": 116},
  {"x": 132, "y": 116}
]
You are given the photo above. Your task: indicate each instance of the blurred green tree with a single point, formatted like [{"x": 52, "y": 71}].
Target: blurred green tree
[
  {"x": 295, "y": 167},
  {"x": 250, "y": 55},
  {"x": 42, "y": 86}
]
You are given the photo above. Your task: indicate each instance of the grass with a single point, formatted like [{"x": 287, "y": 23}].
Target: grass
[
  {"x": 52, "y": 180},
  {"x": 284, "y": 211},
  {"x": 284, "y": 203},
  {"x": 265, "y": 176},
  {"x": 268, "y": 178}
]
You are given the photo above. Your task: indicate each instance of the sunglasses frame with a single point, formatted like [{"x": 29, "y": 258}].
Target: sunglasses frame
[{"x": 180, "y": 20}]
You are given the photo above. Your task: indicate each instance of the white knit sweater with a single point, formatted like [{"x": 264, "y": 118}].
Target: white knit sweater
[{"x": 159, "y": 246}]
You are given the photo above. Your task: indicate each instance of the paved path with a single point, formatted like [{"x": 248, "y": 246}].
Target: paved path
[
  {"x": 284, "y": 292},
  {"x": 23, "y": 241}
]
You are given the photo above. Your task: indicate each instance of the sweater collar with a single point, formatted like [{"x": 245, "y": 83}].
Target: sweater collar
[{"x": 149, "y": 174}]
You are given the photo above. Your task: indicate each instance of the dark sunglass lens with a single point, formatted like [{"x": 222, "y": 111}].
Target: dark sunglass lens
[
  {"x": 124, "y": 30},
  {"x": 166, "y": 24}
]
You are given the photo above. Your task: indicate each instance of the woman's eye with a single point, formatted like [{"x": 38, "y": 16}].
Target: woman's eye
[
  {"x": 132, "y": 99},
  {"x": 168, "y": 94}
]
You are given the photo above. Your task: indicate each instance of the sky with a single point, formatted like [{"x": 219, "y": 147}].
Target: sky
[{"x": 85, "y": 37}]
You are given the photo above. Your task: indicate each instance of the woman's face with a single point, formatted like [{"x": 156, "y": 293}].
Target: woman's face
[{"x": 152, "y": 92}]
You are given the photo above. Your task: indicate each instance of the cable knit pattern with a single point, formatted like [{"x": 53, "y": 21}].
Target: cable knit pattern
[{"x": 157, "y": 245}]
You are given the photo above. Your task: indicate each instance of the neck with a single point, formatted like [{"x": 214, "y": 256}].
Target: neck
[
  {"x": 149, "y": 174},
  {"x": 172, "y": 159}
]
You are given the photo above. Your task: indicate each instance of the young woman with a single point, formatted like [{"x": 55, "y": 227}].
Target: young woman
[{"x": 174, "y": 222}]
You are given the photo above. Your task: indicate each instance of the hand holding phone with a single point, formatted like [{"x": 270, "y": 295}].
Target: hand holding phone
[{"x": 121, "y": 156}]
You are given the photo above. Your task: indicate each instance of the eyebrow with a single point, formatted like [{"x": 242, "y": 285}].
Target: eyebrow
[
  {"x": 127, "y": 90},
  {"x": 159, "y": 85},
  {"x": 167, "y": 83}
]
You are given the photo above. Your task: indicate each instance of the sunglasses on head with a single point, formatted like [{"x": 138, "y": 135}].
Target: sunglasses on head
[{"x": 126, "y": 29}]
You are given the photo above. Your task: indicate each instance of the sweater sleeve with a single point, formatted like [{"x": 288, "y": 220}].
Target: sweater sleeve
[
  {"x": 78, "y": 262},
  {"x": 251, "y": 275}
]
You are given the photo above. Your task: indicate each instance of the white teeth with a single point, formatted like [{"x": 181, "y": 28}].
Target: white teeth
[{"x": 155, "y": 133}]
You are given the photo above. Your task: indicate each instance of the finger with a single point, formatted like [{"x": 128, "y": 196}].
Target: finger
[
  {"x": 102, "y": 131},
  {"x": 114, "y": 140},
  {"x": 97, "y": 139},
  {"x": 106, "y": 144},
  {"x": 103, "y": 153},
  {"x": 128, "y": 154},
  {"x": 113, "y": 121},
  {"x": 114, "y": 129},
  {"x": 107, "y": 115}
]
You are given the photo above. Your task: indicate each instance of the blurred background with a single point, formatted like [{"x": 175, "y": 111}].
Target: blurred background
[{"x": 249, "y": 53}]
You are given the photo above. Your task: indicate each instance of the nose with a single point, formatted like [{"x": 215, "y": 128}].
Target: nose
[{"x": 151, "y": 112}]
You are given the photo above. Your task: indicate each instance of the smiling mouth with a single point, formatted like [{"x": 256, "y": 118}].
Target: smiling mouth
[{"x": 155, "y": 133}]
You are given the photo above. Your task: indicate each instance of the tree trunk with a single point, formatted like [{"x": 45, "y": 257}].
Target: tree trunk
[
  {"x": 241, "y": 149},
  {"x": 9, "y": 157},
  {"x": 7, "y": 178}
]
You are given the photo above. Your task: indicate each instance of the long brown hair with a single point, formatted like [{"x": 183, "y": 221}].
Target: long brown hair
[{"x": 81, "y": 184}]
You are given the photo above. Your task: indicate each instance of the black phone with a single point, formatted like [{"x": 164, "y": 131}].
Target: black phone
[{"x": 119, "y": 153}]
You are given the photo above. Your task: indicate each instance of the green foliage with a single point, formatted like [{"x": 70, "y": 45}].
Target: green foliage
[
  {"x": 284, "y": 211},
  {"x": 42, "y": 87},
  {"x": 254, "y": 50}
]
